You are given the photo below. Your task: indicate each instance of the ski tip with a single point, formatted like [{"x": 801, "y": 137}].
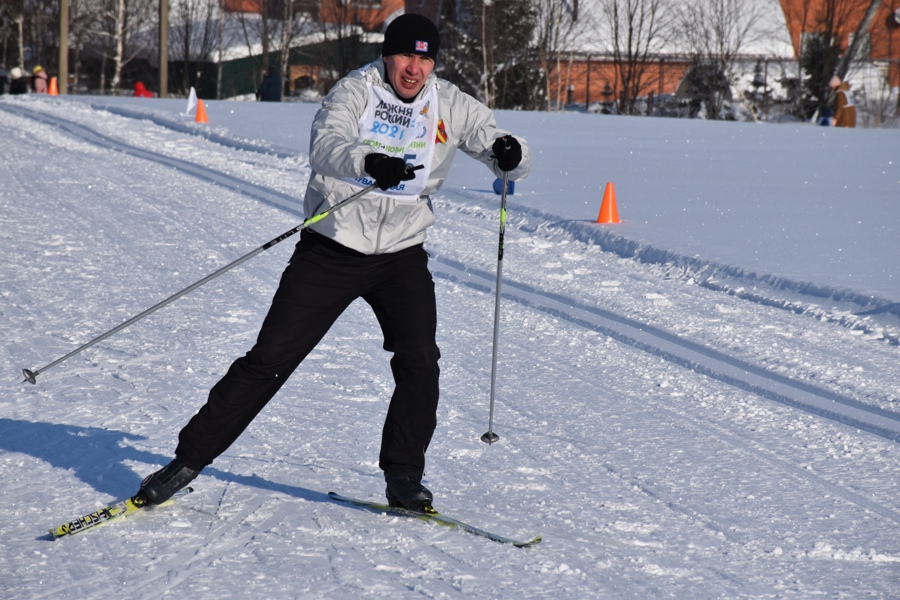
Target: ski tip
[{"x": 531, "y": 543}]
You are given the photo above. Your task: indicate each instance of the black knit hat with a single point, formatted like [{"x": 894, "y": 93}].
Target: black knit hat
[{"x": 411, "y": 34}]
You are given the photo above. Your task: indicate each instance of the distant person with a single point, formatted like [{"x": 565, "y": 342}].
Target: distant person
[
  {"x": 39, "y": 80},
  {"x": 141, "y": 92},
  {"x": 844, "y": 106},
  {"x": 18, "y": 83},
  {"x": 270, "y": 88}
]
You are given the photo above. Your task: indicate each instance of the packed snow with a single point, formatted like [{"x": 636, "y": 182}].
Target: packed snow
[{"x": 701, "y": 401}]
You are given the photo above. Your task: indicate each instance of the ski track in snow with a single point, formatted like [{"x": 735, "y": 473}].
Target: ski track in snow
[
  {"x": 641, "y": 335},
  {"x": 701, "y": 359},
  {"x": 651, "y": 457}
]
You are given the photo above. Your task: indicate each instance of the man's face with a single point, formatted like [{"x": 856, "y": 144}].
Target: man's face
[{"x": 408, "y": 72}]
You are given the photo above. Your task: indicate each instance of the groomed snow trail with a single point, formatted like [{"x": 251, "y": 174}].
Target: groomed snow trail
[{"x": 667, "y": 440}]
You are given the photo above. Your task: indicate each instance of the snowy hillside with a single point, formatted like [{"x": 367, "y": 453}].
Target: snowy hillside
[{"x": 691, "y": 404}]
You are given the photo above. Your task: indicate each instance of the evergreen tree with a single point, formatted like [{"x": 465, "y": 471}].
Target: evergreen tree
[
  {"x": 489, "y": 52},
  {"x": 818, "y": 61},
  {"x": 461, "y": 56},
  {"x": 708, "y": 90}
]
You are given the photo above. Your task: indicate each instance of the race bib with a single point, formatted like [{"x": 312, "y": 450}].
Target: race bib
[{"x": 403, "y": 130}]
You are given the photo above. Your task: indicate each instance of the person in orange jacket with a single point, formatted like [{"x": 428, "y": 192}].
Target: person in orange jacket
[{"x": 844, "y": 106}]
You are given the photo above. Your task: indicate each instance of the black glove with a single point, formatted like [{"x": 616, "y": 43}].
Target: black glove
[
  {"x": 508, "y": 152},
  {"x": 388, "y": 171}
]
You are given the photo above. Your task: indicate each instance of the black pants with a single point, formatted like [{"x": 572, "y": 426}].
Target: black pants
[{"x": 320, "y": 282}]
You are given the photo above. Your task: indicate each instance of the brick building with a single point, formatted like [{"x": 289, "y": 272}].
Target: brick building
[
  {"x": 586, "y": 72},
  {"x": 811, "y": 17}
]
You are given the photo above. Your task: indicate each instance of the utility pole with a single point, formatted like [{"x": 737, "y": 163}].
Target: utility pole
[
  {"x": 163, "y": 48},
  {"x": 63, "y": 47}
]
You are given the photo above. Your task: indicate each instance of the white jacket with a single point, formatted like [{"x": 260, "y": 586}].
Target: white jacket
[{"x": 377, "y": 224}]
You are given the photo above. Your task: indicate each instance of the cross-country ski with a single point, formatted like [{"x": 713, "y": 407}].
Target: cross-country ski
[
  {"x": 434, "y": 517},
  {"x": 114, "y": 511}
]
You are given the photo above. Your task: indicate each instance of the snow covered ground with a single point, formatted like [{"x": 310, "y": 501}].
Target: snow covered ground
[{"x": 699, "y": 402}]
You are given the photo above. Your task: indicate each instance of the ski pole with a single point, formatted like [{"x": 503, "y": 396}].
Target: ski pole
[
  {"x": 31, "y": 376},
  {"x": 490, "y": 437}
]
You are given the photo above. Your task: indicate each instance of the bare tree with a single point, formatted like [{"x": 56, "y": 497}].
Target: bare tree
[
  {"x": 558, "y": 25},
  {"x": 287, "y": 33},
  {"x": 487, "y": 52},
  {"x": 194, "y": 35},
  {"x": 272, "y": 29},
  {"x": 637, "y": 36},
  {"x": 121, "y": 25},
  {"x": 12, "y": 28},
  {"x": 256, "y": 30},
  {"x": 715, "y": 32},
  {"x": 84, "y": 27},
  {"x": 41, "y": 30},
  {"x": 32, "y": 27},
  {"x": 487, "y": 59},
  {"x": 799, "y": 15},
  {"x": 820, "y": 47},
  {"x": 861, "y": 32},
  {"x": 296, "y": 16},
  {"x": 342, "y": 25}
]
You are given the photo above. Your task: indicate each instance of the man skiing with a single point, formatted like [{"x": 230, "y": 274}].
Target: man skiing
[{"x": 375, "y": 125}]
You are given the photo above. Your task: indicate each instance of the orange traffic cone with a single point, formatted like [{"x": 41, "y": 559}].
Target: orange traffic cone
[
  {"x": 201, "y": 113},
  {"x": 54, "y": 90},
  {"x": 609, "y": 213}
]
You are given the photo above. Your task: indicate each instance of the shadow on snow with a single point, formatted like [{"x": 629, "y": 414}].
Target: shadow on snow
[{"x": 97, "y": 457}]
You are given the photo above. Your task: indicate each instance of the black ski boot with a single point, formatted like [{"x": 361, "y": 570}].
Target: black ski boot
[
  {"x": 160, "y": 486},
  {"x": 405, "y": 490}
]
